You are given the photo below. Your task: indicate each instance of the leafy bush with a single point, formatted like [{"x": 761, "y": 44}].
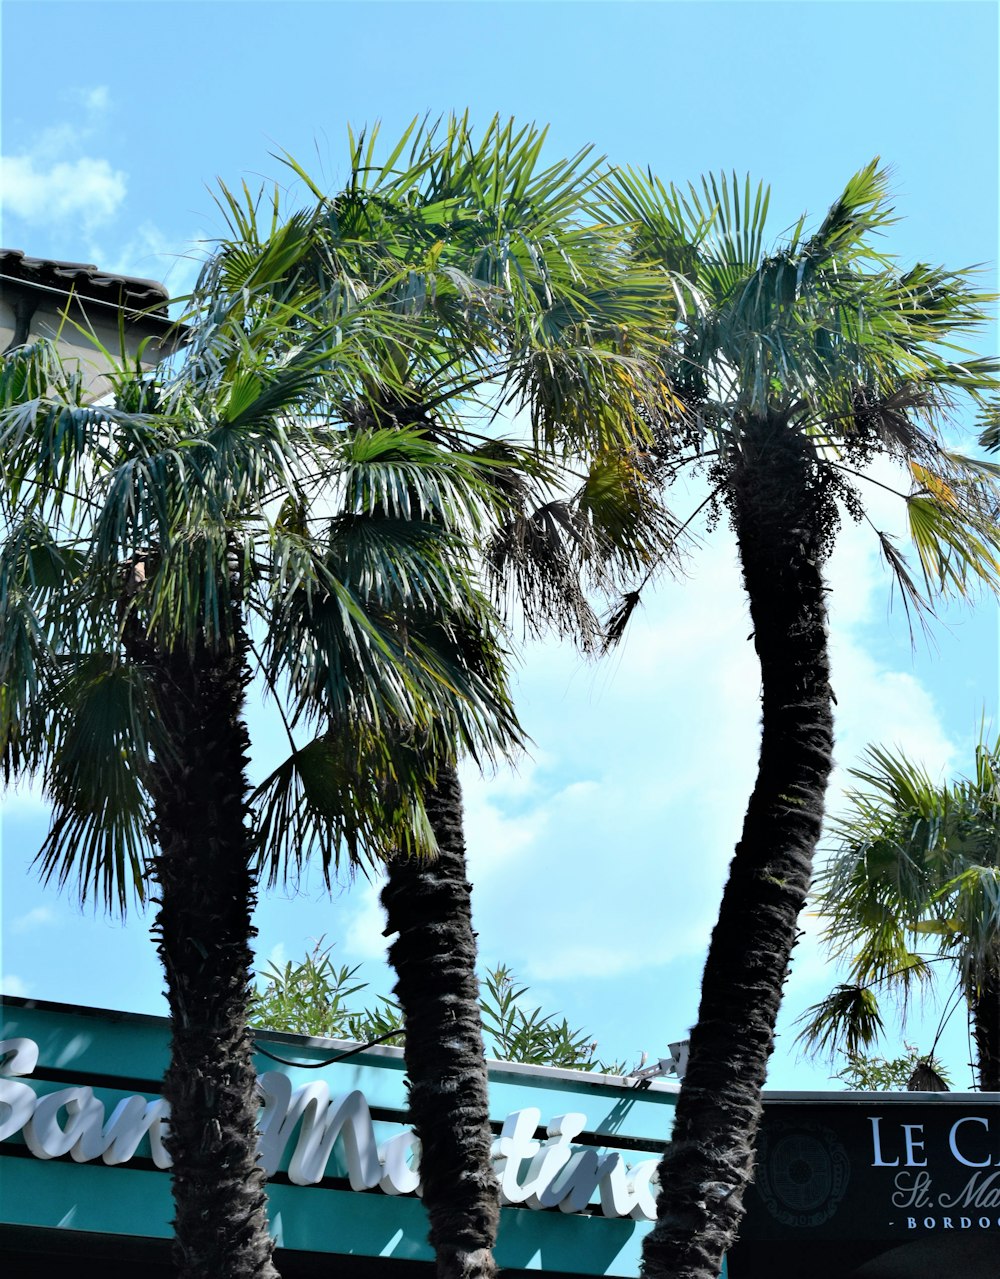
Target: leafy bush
[
  {"x": 314, "y": 998},
  {"x": 882, "y": 1074}
]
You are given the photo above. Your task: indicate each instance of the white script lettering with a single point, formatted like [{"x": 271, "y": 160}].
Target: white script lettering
[{"x": 548, "y": 1174}]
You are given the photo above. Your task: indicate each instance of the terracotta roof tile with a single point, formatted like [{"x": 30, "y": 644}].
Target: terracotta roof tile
[{"x": 85, "y": 281}]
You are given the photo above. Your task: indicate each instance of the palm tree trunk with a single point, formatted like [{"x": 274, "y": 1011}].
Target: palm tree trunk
[
  {"x": 782, "y": 526},
  {"x": 428, "y": 905},
  {"x": 207, "y": 893},
  {"x": 986, "y": 1027}
]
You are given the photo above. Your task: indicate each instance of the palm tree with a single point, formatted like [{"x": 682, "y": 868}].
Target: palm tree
[
  {"x": 915, "y": 861},
  {"x": 797, "y": 367},
  {"x": 504, "y": 294},
  {"x": 220, "y": 520},
  {"x": 428, "y": 906}
]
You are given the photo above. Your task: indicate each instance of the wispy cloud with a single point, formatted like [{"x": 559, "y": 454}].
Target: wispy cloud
[
  {"x": 277, "y": 955},
  {"x": 39, "y": 917},
  {"x": 151, "y": 254},
  {"x": 13, "y": 985},
  {"x": 87, "y": 188},
  {"x": 95, "y": 101},
  {"x": 49, "y": 181}
]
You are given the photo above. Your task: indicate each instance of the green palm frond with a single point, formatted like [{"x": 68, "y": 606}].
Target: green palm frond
[
  {"x": 28, "y": 373},
  {"x": 989, "y": 425},
  {"x": 103, "y": 732},
  {"x": 620, "y": 500},
  {"x": 40, "y": 617},
  {"x": 861, "y": 210},
  {"x": 666, "y": 226},
  {"x": 403, "y": 473},
  {"x": 914, "y": 881},
  {"x": 357, "y": 787},
  {"x": 952, "y": 516},
  {"x": 344, "y": 792},
  {"x": 849, "y": 1017}
]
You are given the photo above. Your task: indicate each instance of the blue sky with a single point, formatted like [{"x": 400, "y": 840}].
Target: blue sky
[{"x": 599, "y": 861}]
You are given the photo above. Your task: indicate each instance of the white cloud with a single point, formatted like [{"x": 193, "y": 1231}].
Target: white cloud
[
  {"x": 14, "y": 986},
  {"x": 97, "y": 100},
  {"x": 85, "y": 187},
  {"x": 57, "y": 178},
  {"x": 500, "y": 837},
  {"x": 35, "y": 918},
  {"x": 627, "y": 829}
]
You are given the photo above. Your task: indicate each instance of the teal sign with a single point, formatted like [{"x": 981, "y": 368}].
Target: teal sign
[{"x": 82, "y": 1126}]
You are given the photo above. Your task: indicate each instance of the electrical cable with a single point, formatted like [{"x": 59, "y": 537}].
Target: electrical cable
[{"x": 316, "y": 1065}]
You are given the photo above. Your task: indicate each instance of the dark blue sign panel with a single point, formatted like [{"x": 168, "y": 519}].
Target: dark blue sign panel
[{"x": 875, "y": 1186}]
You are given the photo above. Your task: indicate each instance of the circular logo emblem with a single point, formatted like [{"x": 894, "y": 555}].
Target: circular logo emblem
[{"x": 802, "y": 1175}]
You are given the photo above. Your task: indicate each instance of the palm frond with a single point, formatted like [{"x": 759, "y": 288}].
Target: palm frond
[
  {"x": 344, "y": 792},
  {"x": 103, "y": 735},
  {"x": 848, "y": 1017},
  {"x": 952, "y": 518},
  {"x": 537, "y": 556},
  {"x": 989, "y": 426},
  {"x": 915, "y": 860},
  {"x": 617, "y": 621}
]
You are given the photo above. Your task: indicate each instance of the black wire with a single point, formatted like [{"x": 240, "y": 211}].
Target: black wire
[{"x": 315, "y": 1065}]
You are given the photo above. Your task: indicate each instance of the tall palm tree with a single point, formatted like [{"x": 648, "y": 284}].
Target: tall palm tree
[
  {"x": 504, "y": 294},
  {"x": 428, "y": 908},
  {"x": 220, "y": 520},
  {"x": 797, "y": 367},
  {"x": 915, "y": 862}
]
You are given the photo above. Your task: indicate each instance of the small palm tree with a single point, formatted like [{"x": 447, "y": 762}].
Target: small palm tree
[
  {"x": 222, "y": 519},
  {"x": 796, "y": 367},
  {"x": 915, "y": 862}
]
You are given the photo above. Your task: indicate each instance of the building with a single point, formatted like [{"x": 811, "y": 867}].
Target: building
[
  {"x": 71, "y": 303},
  {"x": 83, "y": 1170},
  {"x": 849, "y": 1185}
]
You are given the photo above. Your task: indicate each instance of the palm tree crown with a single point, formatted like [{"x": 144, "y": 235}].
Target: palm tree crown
[
  {"x": 228, "y": 474},
  {"x": 827, "y": 336}
]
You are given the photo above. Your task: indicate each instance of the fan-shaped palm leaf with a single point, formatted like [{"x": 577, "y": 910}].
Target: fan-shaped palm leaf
[{"x": 915, "y": 864}]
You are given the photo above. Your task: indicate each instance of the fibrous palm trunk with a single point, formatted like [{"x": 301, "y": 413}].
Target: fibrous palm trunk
[
  {"x": 781, "y": 524},
  {"x": 207, "y": 893},
  {"x": 986, "y": 1026},
  {"x": 428, "y": 906}
]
